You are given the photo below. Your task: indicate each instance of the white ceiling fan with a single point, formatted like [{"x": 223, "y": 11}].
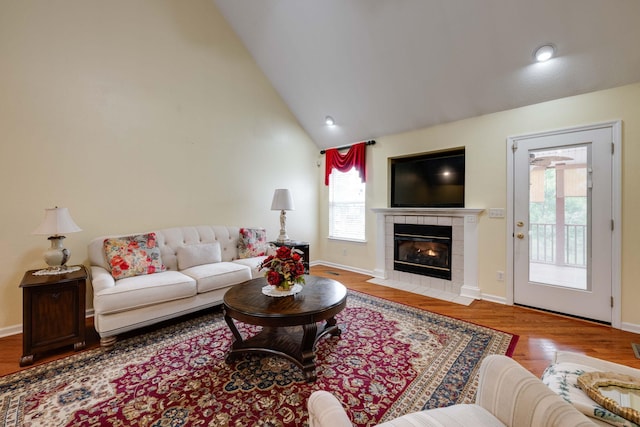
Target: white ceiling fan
[{"x": 546, "y": 161}]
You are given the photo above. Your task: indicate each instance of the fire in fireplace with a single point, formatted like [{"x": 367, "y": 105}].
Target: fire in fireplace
[{"x": 423, "y": 249}]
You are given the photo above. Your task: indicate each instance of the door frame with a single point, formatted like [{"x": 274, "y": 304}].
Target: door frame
[{"x": 616, "y": 200}]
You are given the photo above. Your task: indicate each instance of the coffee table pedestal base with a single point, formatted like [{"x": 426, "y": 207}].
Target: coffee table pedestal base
[{"x": 296, "y": 343}]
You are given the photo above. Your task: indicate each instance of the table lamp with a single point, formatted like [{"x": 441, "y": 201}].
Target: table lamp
[
  {"x": 57, "y": 221},
  {"x": 282, "y": 201}
]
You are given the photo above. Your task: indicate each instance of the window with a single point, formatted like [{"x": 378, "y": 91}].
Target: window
[{"x": 346, "y": 205}]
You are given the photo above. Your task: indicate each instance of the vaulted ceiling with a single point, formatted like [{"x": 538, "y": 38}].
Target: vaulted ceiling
[{"x": 380, "y": 67}]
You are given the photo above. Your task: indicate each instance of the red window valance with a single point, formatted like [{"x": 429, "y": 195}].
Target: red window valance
[{"x": 355, "y": 157}]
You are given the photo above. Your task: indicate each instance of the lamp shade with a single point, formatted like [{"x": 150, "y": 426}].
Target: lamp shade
[
  {"x": 282, "y": 200},
  {"x": 56, "y": 221}
]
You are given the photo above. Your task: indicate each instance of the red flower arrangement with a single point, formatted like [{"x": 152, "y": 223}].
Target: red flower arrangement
[{"x": 284, "y": 269}]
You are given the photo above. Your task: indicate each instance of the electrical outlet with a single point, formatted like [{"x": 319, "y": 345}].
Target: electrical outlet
[{"x": 500, "y": 276}]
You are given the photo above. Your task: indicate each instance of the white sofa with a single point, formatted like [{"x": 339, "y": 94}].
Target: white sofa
[
  {"x": 130, "y": 303},
  {"x": 508, "y": 395}
]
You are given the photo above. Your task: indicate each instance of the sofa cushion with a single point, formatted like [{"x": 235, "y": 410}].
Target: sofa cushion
[
  {"x": 562, "y": 378},
  {"x": 219, "y": 275},
  {"x": 140, "y": 291},
  {"x": 252, "y": 242},
  {"x": 203, "y": 253},
  {"x": 135, "y": 255}
]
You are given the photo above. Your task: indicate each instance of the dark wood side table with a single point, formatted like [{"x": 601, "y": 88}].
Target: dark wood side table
[
  {"x": 53, "y": 312},
  {"x": 301, "y": 246},
  {"x": 289, "y": 324}
]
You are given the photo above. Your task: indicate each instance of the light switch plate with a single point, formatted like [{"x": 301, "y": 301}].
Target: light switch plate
[{"x": 496, "y": 212}]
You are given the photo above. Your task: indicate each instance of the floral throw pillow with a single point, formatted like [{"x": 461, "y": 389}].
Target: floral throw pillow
[
  {"x": 133, "y": 255},
  {"x": 252, "y": 242}
]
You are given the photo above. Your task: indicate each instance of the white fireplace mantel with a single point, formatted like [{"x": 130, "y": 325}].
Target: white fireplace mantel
[
  {"x": 428, "y": 211},
  {"x": 469, "y": 218}
]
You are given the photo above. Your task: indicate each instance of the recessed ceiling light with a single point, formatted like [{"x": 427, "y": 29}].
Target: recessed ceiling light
[
  {"x": 544, "y": 52},
  {"x": 329, "y": 121}
]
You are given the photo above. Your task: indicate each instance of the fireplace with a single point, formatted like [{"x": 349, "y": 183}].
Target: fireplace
[
  {"x": 423, "y": 249},
  {"x": 464, "y": 250}
]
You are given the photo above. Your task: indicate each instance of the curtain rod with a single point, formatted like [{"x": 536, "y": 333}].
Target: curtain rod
[{"x": 344, "y": 147}]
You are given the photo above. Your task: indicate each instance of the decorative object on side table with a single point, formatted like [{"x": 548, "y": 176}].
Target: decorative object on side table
[
  {"x": 57, "y": 221},
  {"x": 285, "y": 272},
  {"x": 282, "y": 201}
]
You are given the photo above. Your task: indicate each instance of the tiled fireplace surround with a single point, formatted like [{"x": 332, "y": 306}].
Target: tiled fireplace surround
[{"x": 463, "y": 286}]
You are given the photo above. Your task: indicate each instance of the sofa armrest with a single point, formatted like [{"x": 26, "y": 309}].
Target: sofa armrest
[
  {"x": 326, "y": 411},
  {"x": 101, "y": 279},
  {"x": 517, "y": 398}
]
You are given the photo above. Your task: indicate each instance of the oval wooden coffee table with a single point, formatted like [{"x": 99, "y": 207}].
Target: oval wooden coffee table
[{"x": 289, "y": 324}]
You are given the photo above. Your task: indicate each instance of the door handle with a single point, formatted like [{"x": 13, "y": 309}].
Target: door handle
[
  {"x": 520, "y": 235},
  {"x": 520, "y": 224}
]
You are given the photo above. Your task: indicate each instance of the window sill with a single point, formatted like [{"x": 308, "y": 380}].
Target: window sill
[{"x": 345, "y": 239}]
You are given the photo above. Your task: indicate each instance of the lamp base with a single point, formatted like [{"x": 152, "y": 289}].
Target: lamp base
[
  {"x": 283, "y": 238},
  {"x": 57, "y": 255}
]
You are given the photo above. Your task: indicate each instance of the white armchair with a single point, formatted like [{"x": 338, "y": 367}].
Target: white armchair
[{"x": 508, "y": 395}]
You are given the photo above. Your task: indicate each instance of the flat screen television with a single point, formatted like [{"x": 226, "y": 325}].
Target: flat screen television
[{"x": 432, "y": 180}]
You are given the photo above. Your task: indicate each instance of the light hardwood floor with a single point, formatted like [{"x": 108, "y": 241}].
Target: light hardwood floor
[{"x": 541, "y": 334}]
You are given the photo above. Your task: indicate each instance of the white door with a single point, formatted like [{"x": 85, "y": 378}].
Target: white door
[{"x": 562, "y": 222}]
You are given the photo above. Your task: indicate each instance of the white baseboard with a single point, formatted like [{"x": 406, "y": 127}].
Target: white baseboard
[
  {"x": 379, "y": 274},
  {"x": 11, "y": 330},
  {"x": 630, "y": 327},
  {"x": 344, "y": 267},
  {"x": 17, "y": 329},
  {"x": 472, "y": 292},
  {"x": 493, "y": 298}
]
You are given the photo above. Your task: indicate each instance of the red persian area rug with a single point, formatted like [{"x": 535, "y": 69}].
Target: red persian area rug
[{"x": 390, "y": 359}]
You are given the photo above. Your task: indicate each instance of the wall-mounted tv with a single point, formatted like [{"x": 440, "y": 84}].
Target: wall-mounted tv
[{"x": 431, "y": 180}]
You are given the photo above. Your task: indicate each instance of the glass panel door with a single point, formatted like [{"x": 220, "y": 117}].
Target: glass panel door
[
  {"x": 562, "y": 211},
  {"x": 559, "y": 211}
]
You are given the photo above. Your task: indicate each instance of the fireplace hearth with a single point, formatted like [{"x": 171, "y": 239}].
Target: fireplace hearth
[{"x": 423, "y": 249}]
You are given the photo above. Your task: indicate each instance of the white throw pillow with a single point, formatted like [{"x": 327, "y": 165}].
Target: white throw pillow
[{"x": 203, "y": 253}]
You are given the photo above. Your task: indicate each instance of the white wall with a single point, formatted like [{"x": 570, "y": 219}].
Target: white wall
[
  {"x": 137, "y": 115},
  {"x": 485, "y": 140}
]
